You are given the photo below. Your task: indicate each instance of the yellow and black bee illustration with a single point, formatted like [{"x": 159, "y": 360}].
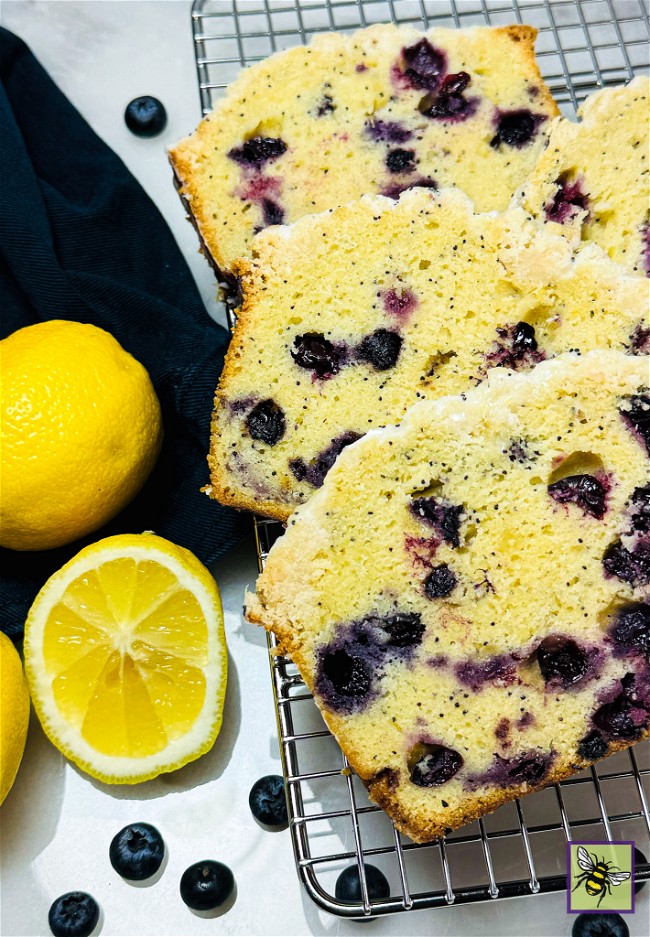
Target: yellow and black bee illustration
[{"x": 597, "y": 876}]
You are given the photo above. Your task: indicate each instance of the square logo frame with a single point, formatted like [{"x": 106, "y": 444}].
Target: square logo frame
[{"x": 596, "y": 870}]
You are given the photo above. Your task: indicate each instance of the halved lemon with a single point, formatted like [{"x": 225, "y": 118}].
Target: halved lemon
[{"x": 126, "y": 658}]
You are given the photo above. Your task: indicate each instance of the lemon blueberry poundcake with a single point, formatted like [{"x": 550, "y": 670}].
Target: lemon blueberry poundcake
[
  {"x": 382, "y": 110},
  {"x": 594, "y": 179},
  {"x": 351, "y": 316},
  {"x": 467, "y": 595}
]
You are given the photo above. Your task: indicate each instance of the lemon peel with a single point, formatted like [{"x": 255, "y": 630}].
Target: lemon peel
[{"x": 80, "y": 432}]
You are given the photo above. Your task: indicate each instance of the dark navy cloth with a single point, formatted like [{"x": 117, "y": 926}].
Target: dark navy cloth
[{"x": 80, "y": 239}]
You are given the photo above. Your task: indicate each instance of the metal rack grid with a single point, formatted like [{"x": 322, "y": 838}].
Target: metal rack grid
[{"x": 581, "y": 46}]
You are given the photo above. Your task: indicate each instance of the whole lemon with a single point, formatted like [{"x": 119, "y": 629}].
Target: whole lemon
[
  {"x": 14, "y": 713},
  {"x": 80, "y": 431}
]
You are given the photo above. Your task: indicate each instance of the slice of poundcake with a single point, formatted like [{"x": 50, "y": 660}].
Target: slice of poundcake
[
  {"x": 351, "y": 316},
  {"x": 383, "y": 110},
  {"x": 467, "y": 595},
  {"x": 594, "y": 178}
]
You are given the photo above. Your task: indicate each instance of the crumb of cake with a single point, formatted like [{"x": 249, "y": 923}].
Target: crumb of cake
[
  {"x": 585, "y": 163},
  {"x": 450, "y": 617},
  {"x": 376, "y": 111},
  {"x": 353, "y": 315}
]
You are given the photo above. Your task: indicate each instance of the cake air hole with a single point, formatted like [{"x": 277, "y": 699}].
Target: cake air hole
[
  {"x": 578, "y": 463},
  {"x": 435, "y": 362},
  {"x": 432, "y": 490}
]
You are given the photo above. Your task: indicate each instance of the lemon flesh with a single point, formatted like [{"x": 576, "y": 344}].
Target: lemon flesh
[{"x": 126, "y": 658}]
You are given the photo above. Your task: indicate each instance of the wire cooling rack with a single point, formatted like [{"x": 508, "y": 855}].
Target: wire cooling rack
[{"x": 521, "y": 848}]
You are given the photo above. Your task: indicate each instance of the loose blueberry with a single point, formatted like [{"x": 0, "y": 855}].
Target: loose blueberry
[
  {"x": 316, "y": 353},
  {"x": 568, "y": 201},
  {"x": 560, "y": 658},
  {"x": 436, "y": 765},
  {"x": 400, "y": 160},
  {"x": 349, "y": 676},
  {"x": 639, "y": 859},
  {"x": 268, "y": 802},
  {"x": 381, "y": 349},
  {"x": 631, "y": 631},
  {"x": 425, "y": 65},
  {"x": 137, "y": 851},
  {"x": 314, "y": 472},
  {"x": 145, "y": 116},
  {"x": 442, "y": 515},
  {"x": 599, "y": 925},
  {"x": 449, "y": 102},
  {"x": 206, "y": 885},
  {"x": 592, "y": 746},
  {"x": 637, "y": 415},
  {"x": 404, "y": 629},
  {"x": 516, "y": 128},
  {"x": 585, "y": 491},
  {"x": 631, "y": 566},
  {"x": 348, "y": 884},
  {"x": 258, "y": 150},
  {"x": 266, "y": 422},
  {"x": 440, "y": 582},
  {"x": 74, "y": 914}
]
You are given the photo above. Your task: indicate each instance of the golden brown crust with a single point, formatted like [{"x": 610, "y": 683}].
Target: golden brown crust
[
  {"x": 219, "y": 488},
  {"x": 519, "y": 32},
  {"x": 190, "y": 195},
  {"x": 484, "y": 802},
  {"x": 223, "y": 486},
  {"x": 221, "y": 275},
  {"x": 379, "y": 785},
  {"x": 604, "y": 151},
  {"x": 533, "y": 256},
  {"x": 189, "y": 153},
  {"x": 284, "y": 605}
]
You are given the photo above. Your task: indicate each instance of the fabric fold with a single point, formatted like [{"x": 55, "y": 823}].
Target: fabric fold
[{"x": 80, "y": 239}]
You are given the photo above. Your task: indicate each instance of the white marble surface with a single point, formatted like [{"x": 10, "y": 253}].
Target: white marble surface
[{"x": 56, "y": 824}]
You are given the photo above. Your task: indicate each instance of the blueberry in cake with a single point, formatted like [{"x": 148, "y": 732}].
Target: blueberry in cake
[
  {"x": 593, "y": 179},
  {"x": 351, "y": 316},
  {"x": 467, "y": 596},
  {"x": 383, "y": 110}
]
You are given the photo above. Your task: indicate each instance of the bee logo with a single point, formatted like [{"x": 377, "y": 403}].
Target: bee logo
[{"x": 597, "y": 875}]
